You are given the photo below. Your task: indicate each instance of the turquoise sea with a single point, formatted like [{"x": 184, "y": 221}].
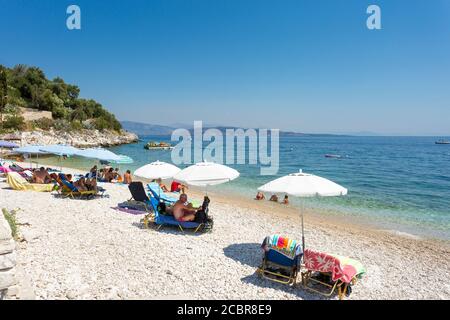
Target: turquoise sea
[{"x": 396, "y": 183}]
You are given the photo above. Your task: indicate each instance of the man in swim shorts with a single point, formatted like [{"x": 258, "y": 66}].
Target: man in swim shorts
[{"x": 182, "y": 210}]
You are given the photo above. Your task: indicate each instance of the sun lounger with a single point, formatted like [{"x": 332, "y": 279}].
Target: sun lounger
[
  {"x": 5, "y": 169},
  {"x": 326, "y": 272},
  {"x": 162, "y": 220},
  {"x": 17, "y": 182},
  {"x": 69, "y": 190},
  {"x": 138, "y": 194},
  {"x": 159, "y": 194},
  {"x": 281, "y": 259},
  {"x": 16, "y": 168}
]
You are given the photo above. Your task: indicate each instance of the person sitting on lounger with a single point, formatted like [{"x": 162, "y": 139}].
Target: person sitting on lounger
[
  {"x": 92, "y": 173},
  {"x": 84, "y": 184},
  {"x": 110, "y": 175},
  {"x": 274, "y": 198},
  {"x": 260, "y": 196},
  {"x": 41, "y": 176},
  {"x": 80, "y": 184},
  {"x": 117, "y": 176},
  {"x": 182, "y": 210},
  {"x": 127, "y": 177}
]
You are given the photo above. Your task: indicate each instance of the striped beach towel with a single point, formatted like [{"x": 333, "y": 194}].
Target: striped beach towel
[{"x": 288, "y": 247}]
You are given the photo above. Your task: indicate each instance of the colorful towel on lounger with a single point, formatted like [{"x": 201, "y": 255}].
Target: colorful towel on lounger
[
  {"x": 288, "y": 247},
  {"x": 341, "y": 268},
  {"x": 17, "y": 182}
]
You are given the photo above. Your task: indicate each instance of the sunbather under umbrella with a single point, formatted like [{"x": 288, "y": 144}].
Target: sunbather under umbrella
[
  {"x": 206, "y": 174},
  {"x": 304, "y": 185}
]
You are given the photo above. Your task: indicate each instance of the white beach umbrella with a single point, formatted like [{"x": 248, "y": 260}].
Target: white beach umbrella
[
  {"x": 304, "y": 185},
  {"x": 157, "y": 170},
  {"x": 206, "y": 174}
]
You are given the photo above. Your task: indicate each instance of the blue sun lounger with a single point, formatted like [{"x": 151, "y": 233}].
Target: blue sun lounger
[
  {"x": 159, "y": 194},
  {"x": 162, "y": 220}
]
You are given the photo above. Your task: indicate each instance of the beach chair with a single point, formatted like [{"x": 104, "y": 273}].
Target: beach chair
[
  {"x": 281, "y": 259},
  {"x": 162, "y": 220},
  {"x": 69, "y": 190},
  {"x": 324, "y": 273},
  {"x": 159, "y": 194},
  {"x": 17, "y": 182},
  {"x": 139, "y": 195}
]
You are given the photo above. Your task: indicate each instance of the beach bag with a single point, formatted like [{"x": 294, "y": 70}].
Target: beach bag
[{"x": 201, "y": 216}]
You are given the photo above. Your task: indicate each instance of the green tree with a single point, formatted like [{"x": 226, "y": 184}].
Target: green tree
[{"x": 3, "y": 91}]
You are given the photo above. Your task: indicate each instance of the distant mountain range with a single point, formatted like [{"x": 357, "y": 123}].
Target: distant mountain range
[{"x": 147, "y": 129}]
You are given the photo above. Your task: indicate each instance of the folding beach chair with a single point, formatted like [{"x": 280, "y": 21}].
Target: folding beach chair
[
  {"x": 161, "y": 219},
  {"x": 69, "y": 190},
  {"x": 139, "y": 195},
  {"x": 281, "y": 259},
  {"x": 326, "y": 272}
]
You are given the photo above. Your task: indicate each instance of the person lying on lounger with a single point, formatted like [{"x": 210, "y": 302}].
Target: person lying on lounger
[
  {"x": 183, "y": 210},
  {"x": 41, "y": 176}
]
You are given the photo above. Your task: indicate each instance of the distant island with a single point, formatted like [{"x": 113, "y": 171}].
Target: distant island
[{"x": 43, "y": 111}]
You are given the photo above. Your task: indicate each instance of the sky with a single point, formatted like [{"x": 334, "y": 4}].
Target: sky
[{"x": 308, "y": 66}]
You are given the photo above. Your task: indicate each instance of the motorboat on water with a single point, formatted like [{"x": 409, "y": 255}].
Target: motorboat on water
[{"x": 442, "y": 141}]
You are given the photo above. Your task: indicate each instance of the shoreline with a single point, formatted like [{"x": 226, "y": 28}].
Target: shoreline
[
  {"x": 317, "y": 215},
  {"x": 77, "y": 249}
]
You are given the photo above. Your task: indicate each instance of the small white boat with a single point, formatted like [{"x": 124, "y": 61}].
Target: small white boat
[{"x": 336, "y": 156}]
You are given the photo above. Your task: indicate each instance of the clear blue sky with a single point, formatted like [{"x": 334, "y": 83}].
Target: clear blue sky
[{"x": 309, "y": 66}]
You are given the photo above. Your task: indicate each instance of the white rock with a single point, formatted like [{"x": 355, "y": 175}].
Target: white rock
[
  {"x": 7, "y": 246},
  {"x": 5, "y": 230},
  {"x": 7, "y": 278},
  {"x": 8, "y": 260},
  {"x": 29, "y": 235}
]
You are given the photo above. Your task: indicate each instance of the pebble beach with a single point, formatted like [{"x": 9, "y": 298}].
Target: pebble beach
[{"x": 86, "y": 249}]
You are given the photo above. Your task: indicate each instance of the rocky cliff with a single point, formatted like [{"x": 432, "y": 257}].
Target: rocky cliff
[{"x": 83, "y": 138}]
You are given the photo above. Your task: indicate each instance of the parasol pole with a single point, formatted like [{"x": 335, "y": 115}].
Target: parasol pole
[{"x": 303, "y": 229}]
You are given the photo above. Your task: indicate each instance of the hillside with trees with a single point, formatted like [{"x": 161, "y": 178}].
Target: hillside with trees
[{"x": 28, "y": 87}]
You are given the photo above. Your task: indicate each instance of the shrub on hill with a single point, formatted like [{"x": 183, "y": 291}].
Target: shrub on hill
[{"x": 25, "y": 86}]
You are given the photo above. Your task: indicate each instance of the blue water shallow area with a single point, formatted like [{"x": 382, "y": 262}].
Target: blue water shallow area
[{"x": 398, "y": 183}]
